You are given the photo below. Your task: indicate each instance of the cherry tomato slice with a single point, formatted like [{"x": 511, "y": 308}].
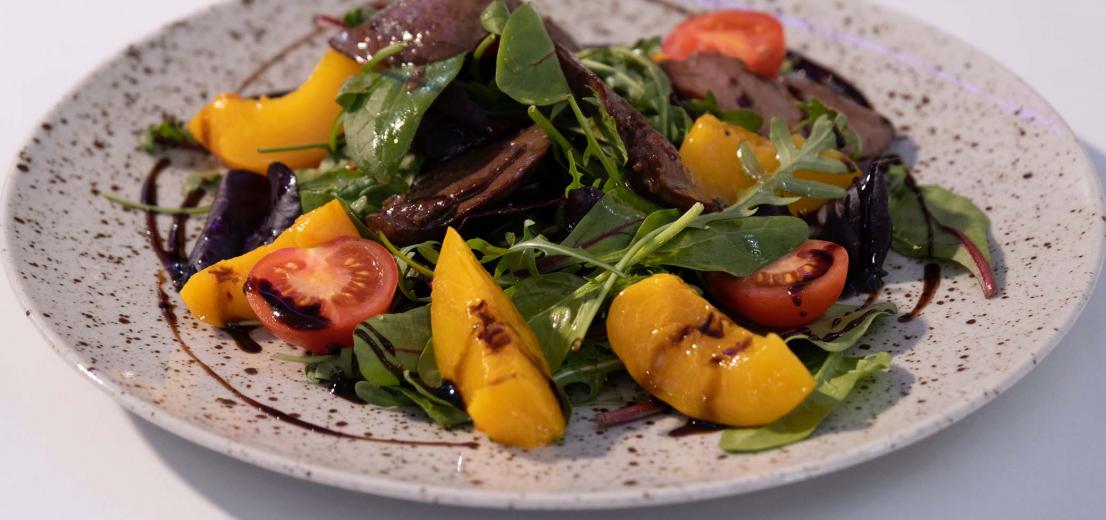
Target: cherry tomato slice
[
  {"x": 790, "y": 292},
  {"x": 315, "y": 297},
  {"x": 754, "y": 38}
]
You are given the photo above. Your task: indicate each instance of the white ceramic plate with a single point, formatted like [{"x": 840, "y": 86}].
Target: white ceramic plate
[{"x": 84, "y": 272}]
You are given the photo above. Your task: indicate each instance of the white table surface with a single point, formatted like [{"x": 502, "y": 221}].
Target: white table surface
[{"x": 67, "y": 450}]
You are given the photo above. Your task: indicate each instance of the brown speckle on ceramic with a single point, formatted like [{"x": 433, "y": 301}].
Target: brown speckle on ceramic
[{"x": 83, "y": 269}]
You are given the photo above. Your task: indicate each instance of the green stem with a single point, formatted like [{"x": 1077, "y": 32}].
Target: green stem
[
  {"x": 383, "y": 54},
  {"x": 335, "y": 130},
  {"x": 306, "y": 360},
  {"x": 294, "y": 148},
  {"x": 547, "y": 125},
  {"x": 571, "y": 252},
  {"x": 133, "y": 204},
  {"x": 659, "y": 237},
  {"x": 419, "y": 268},
  {"x": 478, "y": 54},
  {"x": 604, "y": 159}
]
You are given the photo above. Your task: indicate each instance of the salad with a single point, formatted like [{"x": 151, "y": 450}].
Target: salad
[{"x": 465, "y": 212}]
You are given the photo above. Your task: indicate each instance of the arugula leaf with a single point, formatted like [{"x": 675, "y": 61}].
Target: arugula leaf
[
  {"x": 363, "y": 194},
  {"x": 494, "y": 17},
  {"x": 632, "y": 74},
  {"x": 526, "y": 67},
  {"x": 769, "y": 185},
  {"x": 588, "y": 369},
  {"x": 842, "y": 326},
  {"x": 383, "y": 109},
  {"x": 836, "y": 379},
  {"x": 738, "y": 246},
  {"x": 958, "y": 227},
  {"x": 746, "y": 119},
  {"x": 168, "y": 133},
  {"x": 814, "y": 110},
  {"x": 406, "y": 334}
]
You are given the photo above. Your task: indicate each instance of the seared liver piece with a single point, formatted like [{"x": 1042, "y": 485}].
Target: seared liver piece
[
  {"x": 451, "y": 191},
  {"x": 734, "y": 86}
]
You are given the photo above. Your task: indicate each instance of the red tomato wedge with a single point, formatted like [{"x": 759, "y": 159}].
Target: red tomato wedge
[
  {"x": 315, "y": 297},
  {"x": 790, "y": 292},
  {"x": 754, "y": 38}
]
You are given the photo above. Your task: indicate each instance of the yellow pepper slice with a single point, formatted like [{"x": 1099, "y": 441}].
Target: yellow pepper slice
[
  {"x": 687, "y": 353},
  {"x": 234, "y": 128},
  {"x": 484, "y": 346}
]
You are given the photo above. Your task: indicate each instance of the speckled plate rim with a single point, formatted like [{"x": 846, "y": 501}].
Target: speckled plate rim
[{"x": 552, "y": 500}]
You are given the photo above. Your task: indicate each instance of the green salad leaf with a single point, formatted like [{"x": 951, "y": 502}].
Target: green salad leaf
[
  {"x": 169, "y": 132},
  {"x": 439, "y": 410},
  {"x": 526, "y": 67},
  {"x": 388, "y": 397},
  {"x": 836, "y": 379},
  {"x": 583, "y": 372},
  {"x": 383, "y": 109},
  {"x": 405, "y": 333},
  {"x": 610, "y": 224},
  {"x": 842, "y": 326},
  {"x": 550, "y": 303},
  {"x": 958, "y": 227},
  {"x": 737, "y": 246},
  {"x": 357, "y": 16},
  {"x": 362, "y": 194},
  {"x": 389, "y": 345},
  {"x": 494, "y": 17}
]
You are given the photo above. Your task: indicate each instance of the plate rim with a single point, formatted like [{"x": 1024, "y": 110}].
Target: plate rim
[{"x": 545, "y": 500}]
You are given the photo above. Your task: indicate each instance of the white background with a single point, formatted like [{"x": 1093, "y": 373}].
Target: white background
[{"x": 66, "y": 449}]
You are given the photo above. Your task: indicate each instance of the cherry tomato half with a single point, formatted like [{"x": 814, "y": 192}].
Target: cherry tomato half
[
  {"x": 754, "y": 38},
  {"x": 790, "y": 292},
  {"x": 315, "y": 297}
]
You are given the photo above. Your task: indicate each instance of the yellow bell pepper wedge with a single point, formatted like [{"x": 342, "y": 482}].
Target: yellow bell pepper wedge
[
  {"x": 234, "y": 128},
  {"x": 687, "y": 353},
  {"x": 215, "y": 295},
  {"x": 710, "y": 153},
  {"x": 484, "y": 346}
]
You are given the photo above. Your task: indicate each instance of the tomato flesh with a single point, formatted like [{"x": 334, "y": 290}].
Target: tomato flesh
[
  {"x": 754, "y": 38},
  {"x": 315, "y": 297},
  {"x": 790, "y": 292}
]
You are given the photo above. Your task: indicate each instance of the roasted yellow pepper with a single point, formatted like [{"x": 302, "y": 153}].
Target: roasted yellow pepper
[
  {"x": 215, "y": 295},
  {"x": 710, "y": 153},
  {"x": 484, "y": 346},
  {"x": 234, "y": 128},
  {"x": 685, "y": 352}
]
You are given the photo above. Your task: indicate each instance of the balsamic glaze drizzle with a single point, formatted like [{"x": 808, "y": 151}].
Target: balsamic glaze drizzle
[
  {"x": 932, "y": 278},
  {"x": 695, "y": 427},
  {"x": 242, "y": 338},
  {"x": 932, "y": 281}
]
